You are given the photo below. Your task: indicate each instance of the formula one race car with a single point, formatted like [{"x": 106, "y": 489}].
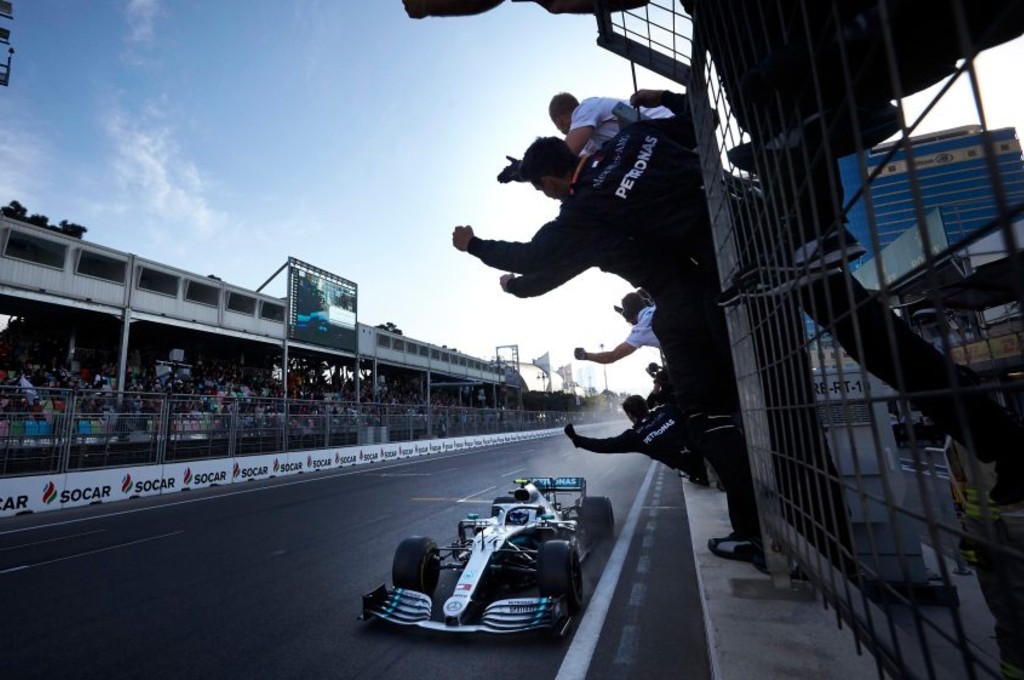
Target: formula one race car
[{"x": 530, "y": 548}]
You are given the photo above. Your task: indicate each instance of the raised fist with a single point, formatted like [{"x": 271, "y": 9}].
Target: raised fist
[
  {"x": 461, "y": 236},
  {"x": 579, "y": 353}
]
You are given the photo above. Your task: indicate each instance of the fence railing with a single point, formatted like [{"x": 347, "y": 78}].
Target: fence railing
[
  {"x": 873, "y": 384},
  {"x": 51, "y": 431}
]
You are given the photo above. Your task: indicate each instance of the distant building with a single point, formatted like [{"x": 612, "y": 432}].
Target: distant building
[
  {"x": 928, "y": 214},
  {"x": 951, "y": 178}
]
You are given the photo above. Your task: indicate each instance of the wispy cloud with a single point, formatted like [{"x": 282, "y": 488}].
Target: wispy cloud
[
  {"x": 150, "y": 168},
  {"x": 141, "y": 15},
  {"x": 28, "y": 159}
]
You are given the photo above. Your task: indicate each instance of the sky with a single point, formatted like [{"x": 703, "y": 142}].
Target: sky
[{"x": 224, "y": 137}]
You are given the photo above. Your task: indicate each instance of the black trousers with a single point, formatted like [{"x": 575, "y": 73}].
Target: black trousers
[{"x": 693, "y": 335}]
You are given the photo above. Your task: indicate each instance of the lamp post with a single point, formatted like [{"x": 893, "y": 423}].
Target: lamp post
[{"x": 605, "y": 368}]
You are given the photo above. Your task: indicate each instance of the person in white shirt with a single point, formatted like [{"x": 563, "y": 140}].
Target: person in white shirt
[
  {"x": 638, "y": 311},
  {"x": 587, "y": 125}
]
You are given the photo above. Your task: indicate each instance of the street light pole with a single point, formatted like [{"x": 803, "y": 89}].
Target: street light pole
[{"x": 605, "y": 367}]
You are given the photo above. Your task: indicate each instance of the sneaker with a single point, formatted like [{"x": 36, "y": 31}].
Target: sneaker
[
  {"x": 781, "y": 272},
  {"x": 733, "y": 547}
]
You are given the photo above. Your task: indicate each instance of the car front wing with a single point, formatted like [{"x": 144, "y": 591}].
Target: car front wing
[{"x": 517, "y": 615}]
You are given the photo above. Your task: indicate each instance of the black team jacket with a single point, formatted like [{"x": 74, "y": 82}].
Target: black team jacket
[
  {"x": 660, "y": 435},
  {"x": 637, "y": 210}
]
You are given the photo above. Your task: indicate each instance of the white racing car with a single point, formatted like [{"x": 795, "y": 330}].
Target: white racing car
[{"x": 519, "y": 569}]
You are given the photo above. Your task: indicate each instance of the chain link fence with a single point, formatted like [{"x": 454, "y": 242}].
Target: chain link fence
[{"x": 872, "y": 278}]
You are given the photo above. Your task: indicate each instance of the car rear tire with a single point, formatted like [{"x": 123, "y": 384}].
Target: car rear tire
[
  {"x": 598, "y": 517},
  {"x": 417, "y": 565},
  {"x": 559, "y": 573}
]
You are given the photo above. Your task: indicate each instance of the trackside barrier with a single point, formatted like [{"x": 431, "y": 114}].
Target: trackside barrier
[{"x": 41, "y": 493}]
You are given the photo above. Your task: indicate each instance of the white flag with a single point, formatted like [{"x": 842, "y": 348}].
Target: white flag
[{"x": 544, "y": 363}]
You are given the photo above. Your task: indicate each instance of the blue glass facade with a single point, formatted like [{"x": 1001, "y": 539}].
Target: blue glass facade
[{"x": 950, "y": 175}]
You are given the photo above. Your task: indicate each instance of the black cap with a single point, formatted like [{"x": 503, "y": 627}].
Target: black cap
[{"x": 632, "y": 303}]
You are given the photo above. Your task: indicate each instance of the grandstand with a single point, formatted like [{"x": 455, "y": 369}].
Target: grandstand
[
  {"x": 112, "y": 359},
  {"x": 115, "y": 299}
]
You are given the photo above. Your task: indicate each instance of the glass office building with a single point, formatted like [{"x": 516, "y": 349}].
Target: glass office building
[{"x": 949, "y": 184}]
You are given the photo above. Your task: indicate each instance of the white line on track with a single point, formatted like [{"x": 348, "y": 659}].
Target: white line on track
[
  {"x": 51, "y": 540},
  {"x": 581, "y": 651},
  {"x": 474, "y": 495},
  {"x": 320, "y": 477},
  {"x": 90, "y": 552},
  {"x": 509, "y": 474}
]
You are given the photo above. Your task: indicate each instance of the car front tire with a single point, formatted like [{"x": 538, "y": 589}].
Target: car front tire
[
  {"x": 559, "y": 573},
  {"x": 417, "y": 565}
]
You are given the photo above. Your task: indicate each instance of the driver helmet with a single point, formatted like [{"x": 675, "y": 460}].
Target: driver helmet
[{"x": 518, "y": 516}]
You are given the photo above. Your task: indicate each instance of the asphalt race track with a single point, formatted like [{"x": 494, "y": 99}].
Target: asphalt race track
[{"x": 265, "y": 581}]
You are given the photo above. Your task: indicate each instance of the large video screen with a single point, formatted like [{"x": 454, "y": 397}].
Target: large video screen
[{"x": 323, "y": 307}]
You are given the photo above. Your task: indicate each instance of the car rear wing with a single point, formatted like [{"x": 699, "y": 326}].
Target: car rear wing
[{"x": 545, "y": 484}]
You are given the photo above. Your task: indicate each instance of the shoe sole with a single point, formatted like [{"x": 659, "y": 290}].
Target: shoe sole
[
  {"x": 737, "y": 293},
  {"x": 846, "y": 253},
  {"x": 875, "y": 128}
]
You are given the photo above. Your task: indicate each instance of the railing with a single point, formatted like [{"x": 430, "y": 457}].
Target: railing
[
  {"x": 829, "y": 375},
  {"x": 51, "y": 431}
]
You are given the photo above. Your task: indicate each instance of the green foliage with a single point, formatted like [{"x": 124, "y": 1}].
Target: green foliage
[
  {"x": 72, "y": 229},
  {"x": 16, "y": 211}
]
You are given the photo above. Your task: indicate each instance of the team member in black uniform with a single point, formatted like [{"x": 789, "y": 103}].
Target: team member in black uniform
[
  {"x": 637, "y": 209},
  {"x": 659, "y": 434}
]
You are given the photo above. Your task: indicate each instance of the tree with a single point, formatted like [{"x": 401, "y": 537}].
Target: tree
[
  {"x": 39, "y": 220},
  {"x": 72, "y": 229},
  {"x": 15, "y": 211},
  {"x": 390, "y": 327}
]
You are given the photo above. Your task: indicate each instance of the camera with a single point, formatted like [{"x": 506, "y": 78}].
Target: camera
[
  {"x": 511, "y": 171},
  {"x": 625, "y": 114}
]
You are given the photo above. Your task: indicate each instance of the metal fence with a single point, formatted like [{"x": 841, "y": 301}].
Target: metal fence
[
  {"x": 872, "y": 279},
  {"x": 53, "y": 431}
]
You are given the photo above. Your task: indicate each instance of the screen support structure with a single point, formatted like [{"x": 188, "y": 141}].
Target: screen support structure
[
  {"x": 507, "y": 358},
  {"x": 284, "y": 351}
]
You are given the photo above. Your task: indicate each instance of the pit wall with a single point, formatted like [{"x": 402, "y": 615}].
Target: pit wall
[{"x": 39, "y": 493}]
